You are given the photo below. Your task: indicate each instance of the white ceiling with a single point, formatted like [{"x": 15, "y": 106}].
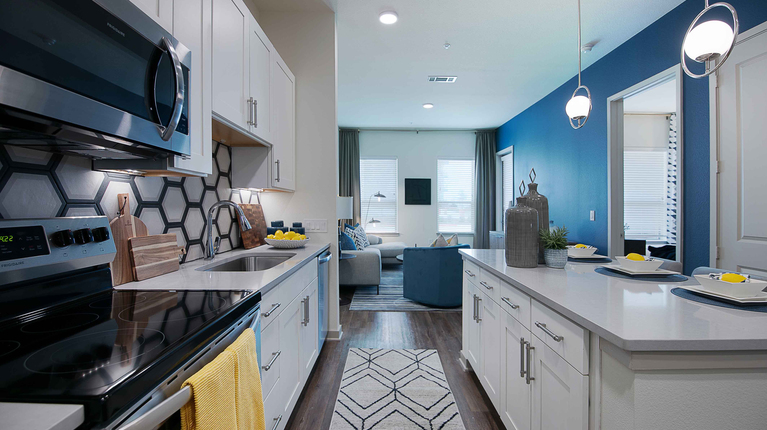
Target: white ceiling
[
  {"x": 507, "y": 55},
  {"x": 658, "y": 99}
]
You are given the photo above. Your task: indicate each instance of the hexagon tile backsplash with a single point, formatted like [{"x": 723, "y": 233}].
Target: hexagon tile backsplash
[{"x": 36, "y": 184}]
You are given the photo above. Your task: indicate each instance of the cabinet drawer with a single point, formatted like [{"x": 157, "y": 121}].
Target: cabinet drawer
[
  {"x": 274, "y": 410},
  {"x": 573, "y": 341},
  {"x": 296, "y": 283},
  {"x": 272, "y": 303},
  {"x": 490, "y": 285},
  {"x": 471, "y": 272},
  {"x": 515, "y": 303},
  {"x": 270, "y": 345}
]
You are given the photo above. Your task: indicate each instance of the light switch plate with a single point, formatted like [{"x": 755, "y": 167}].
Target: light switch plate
[
  {"x": 592, "y": 215},
  {"x": 316, "y": 225}
]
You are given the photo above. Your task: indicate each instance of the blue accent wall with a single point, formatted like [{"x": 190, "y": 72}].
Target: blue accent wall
[{"x": 572, "y": 164}]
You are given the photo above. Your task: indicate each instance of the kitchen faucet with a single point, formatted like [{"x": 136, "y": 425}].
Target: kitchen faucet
[{"x": 211, "y": 248}]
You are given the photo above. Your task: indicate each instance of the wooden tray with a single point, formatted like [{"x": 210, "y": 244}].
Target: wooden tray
[
  {"x": 154, "y": 255},
  {"x": 257, "y": 234}
]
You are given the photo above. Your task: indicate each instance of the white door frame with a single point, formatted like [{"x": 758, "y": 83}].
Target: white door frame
[
  {"x": 713, "y": 105},
  {"x": 615, "y": 160},
  {"x": 499, "y": 217}
]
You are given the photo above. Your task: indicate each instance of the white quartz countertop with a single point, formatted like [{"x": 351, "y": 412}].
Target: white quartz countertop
[
  {"x": 634, "y": 315},
  {"x": 192, "y": 276},
  {"x": 33, "y": 416}
]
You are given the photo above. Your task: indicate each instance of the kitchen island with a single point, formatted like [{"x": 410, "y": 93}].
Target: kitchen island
[{"x": 574, "y": 349}]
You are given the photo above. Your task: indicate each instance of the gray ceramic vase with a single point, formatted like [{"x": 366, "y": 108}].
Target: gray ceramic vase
[
  {"x": 521, "y": 234},
  {"x": 555, "y": 258},
  {"x": 540, "y": 203}
]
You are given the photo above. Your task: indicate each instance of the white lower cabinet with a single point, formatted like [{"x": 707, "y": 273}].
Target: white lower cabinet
[
  {"x": 309, "y": 326},
  {"x": 473, "y": 347},
  {"x": 560, "y": 394},
  {"x": 515, "y": 390},
  {"x": 290, "y": 335},
  {"x": 490, "y": 332}
]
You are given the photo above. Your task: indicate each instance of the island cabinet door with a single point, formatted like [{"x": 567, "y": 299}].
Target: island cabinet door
[
  {"x": 560, "y": 394},
  {"x": 515, "y": 391},
  {"x": 290, "y": 321},
  {"x": 490, "y": 329},
  {"x": 474, "y": 349},
  {"x": 309, "y": 327}
]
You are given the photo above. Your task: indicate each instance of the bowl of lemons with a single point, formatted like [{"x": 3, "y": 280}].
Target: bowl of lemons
[
  {"x": 580, "y": 251},
  {"x": 639, "y": 263},
  {"x": 732, "y": 284},
  {"x": 289, "y": 240}
]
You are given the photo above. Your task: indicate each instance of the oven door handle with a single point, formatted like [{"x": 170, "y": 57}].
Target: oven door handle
[
  {"x": 178, "y": 99},
  {"x": 158, "y": 414}
]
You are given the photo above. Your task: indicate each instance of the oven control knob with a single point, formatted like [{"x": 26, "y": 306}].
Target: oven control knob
[
  {"x": 100, "y": 234},
  {"x": 83, "y": 236},
  {"x": 63, "y": 238}
]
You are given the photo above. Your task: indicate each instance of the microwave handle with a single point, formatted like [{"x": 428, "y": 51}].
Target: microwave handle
[{"x": 178, "y": 101}]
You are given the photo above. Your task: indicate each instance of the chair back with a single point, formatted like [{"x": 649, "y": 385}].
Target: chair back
[{"x": 434, "y": 276}]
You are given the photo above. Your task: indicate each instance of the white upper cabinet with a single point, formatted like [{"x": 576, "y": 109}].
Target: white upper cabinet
[
  {"x": 283, "y": 91},
  {"x": 260, "y": 78},
  {"x": 231, "y": 21},
  {"x": 159, "y": 10}
]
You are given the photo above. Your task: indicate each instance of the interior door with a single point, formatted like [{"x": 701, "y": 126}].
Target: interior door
[
  {"x": 309, "y": 327},
  {"x": 560, "y": 396},
  {"x": 515, "y": 392},
  {"x": 283, "y": 126},
  {"x": 742, "y": 195},
  {"x": 230, "y": 68},
  {"x": 490, "y": 328},
  {"x": 260, "y": 56}
]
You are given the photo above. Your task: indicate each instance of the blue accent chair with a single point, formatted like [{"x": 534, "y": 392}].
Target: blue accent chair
[{"x": 433, "y": 276}]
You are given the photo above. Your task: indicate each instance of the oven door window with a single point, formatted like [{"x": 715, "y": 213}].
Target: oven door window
[{"x": 79, "y": 46}]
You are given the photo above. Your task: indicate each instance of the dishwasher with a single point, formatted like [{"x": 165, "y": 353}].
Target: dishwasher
[{"x": 322, "y": 294}]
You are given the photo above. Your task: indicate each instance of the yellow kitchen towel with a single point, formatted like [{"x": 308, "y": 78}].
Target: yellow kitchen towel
[
  {"x": 213, "y": 401},
  {"x": 248, "y": 398}
]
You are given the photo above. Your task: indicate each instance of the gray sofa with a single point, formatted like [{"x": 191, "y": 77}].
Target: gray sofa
[{"x": 365, "y": 268}]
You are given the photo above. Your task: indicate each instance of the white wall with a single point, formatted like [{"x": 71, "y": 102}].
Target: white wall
[
  {"x": 417, "y": 155},
  {"x": 307, "y": 43},
  {"x": 645, "y": 131}
]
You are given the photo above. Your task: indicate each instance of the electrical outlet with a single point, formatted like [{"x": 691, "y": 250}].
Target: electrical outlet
[
  {"x": 316, "y": 225},
  {"x": 592, "y": 215}
]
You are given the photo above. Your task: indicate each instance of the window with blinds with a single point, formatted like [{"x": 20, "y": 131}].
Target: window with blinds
[
  {"x": 455, "y": 195},
  {"x": 379, "y": 175},
  {"x": 507, "y": 166},
  {"x": 644, "y": 194}
]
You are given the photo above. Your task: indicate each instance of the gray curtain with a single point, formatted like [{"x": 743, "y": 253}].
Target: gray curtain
[
  {"x": 484, "y": 188},
  {"x": 349, "y": 169}
]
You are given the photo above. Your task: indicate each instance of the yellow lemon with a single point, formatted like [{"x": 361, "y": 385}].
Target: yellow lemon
[
  {"x": 271, "y": 236},
  {"x": 303, "y": 237},
  {"x": 634, "y": 257},
  {"x": 278, "y": 233},
  {"x": 734, "y": 278},
  {"x": 580, "y": 245},
  {"x": 290, "y": 234}
]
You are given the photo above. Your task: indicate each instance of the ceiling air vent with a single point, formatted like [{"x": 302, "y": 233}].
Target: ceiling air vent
[{"x": 443, "y": 79}]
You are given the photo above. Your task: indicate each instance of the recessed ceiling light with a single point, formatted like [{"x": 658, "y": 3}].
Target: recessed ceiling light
[
  {"x": 388, "y": 17},
  {"x": 428, "y": 105}
]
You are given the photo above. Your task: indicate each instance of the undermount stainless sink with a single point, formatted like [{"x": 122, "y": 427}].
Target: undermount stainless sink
[{"x": 250, "y": 263}]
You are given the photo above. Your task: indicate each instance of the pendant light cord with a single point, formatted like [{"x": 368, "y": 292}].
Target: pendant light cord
[{"x": 579, "y": 42}]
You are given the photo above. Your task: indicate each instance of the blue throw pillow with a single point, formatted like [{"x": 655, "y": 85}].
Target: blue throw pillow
[{"x": 347, "y": 243}]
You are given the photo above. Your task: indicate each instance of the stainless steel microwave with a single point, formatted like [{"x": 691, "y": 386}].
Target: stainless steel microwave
[{"x": 97, "y": 78}]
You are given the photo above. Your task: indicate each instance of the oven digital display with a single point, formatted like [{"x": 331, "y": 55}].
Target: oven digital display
[{"x": 23, "y": 242}]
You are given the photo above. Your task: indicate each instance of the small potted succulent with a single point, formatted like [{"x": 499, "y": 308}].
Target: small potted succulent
[{"x": 554, "y": 246}]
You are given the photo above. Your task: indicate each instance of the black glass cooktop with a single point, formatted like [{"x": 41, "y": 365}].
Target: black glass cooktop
[{"x": 93, "y": 350}]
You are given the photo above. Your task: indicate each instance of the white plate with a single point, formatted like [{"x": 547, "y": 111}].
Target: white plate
[
  {"x": 590, "y": 257},
  {"x": 750, "y": 288},
  {"x": 636, "y": 266},
  {"x": 744, "y": 301},
  {"x": 574, "y": 252},
  {"x": 658, "y": 272}
]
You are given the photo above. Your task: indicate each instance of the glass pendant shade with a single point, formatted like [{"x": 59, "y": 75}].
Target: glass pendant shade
[
  {"x": 578, "y": 107},
  {"x": 708, "y": 41}
]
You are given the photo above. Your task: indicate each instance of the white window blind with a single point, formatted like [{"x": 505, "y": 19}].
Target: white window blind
[
  {"x": 507, "y": 164},
  {"x": 644, "y": 194},
  {"x": 455, "y": 195},
  {"x": 379, "y": 175}
]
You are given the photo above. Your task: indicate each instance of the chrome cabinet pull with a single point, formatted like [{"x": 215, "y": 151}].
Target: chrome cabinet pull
[
  {"x": 522, "y": 344},
  {"x": 271, "y": 362},
  {"x": 303, "y": 311},
  {"x": 305, "y": 301},
  {"x": 508, "y": 302},
  {"x": 475, "y": 307},
  {"x": 277, "y": 424},
  {"x": 529, "y": 370},
  {"x": 469, "y": 273},
  {"x": 270, "y": 311},
  {"x": 278, "y": 170},
  {"x": 484, "y": 284},
  {"x": 479, "y": 309},
  {"x": 250, "y": 111},
  {"x": 542, "y": 326},
  {"x": 255, "y": 113}
]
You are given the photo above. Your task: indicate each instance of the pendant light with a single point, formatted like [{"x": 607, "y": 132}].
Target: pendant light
[
  {"x": 578, "y": 109},
  {"x": 709, "y": 41}
]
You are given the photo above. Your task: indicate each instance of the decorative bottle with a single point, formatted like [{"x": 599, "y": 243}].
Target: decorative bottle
[
  {"x": 522, "y": 233},
  {"x": 540, "y": 203}
]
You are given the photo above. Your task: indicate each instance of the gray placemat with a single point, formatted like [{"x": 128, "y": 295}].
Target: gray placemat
[
  {"x": 652, "y": 278},
  {"x": 689, "y": 295},
  {"x": 590, "y": 260}
]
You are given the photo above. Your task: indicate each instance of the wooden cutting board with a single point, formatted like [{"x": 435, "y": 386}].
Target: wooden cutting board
[
  {"x": 255, "y": 236},
  {"x": 124, "y": 227},
  {"x": 154, "y": 255}
]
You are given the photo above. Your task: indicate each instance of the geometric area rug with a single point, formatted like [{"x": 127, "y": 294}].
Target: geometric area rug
[{"x": 390, "y": 389}]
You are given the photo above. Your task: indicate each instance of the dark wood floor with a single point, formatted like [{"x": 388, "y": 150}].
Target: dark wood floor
[{"x": 365, "y": 329}]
